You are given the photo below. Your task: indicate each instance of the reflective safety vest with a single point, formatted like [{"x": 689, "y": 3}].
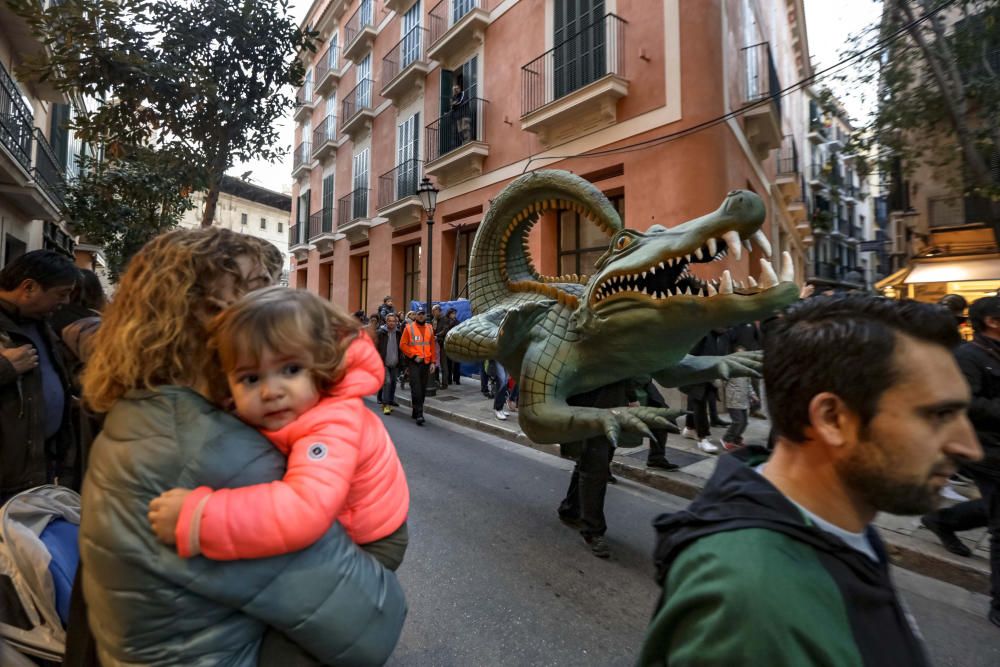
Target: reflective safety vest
[{"x": 418, "y": 341}]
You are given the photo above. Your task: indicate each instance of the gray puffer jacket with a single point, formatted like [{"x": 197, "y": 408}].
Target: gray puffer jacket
[{"x": 147, "y": 606}]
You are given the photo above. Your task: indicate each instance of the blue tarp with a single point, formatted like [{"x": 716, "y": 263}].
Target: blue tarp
[{"x": 464, "y": 308}]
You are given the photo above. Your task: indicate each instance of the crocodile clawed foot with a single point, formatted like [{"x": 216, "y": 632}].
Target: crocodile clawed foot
[{"x": 640, "y": 420}]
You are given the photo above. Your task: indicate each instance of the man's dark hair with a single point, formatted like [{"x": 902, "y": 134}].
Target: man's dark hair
[
  {"x": 844, "y": 345},
  {"x": 988, "y": 306},
  {"x": 46, "y": 267},
  {"x": 388, "y": 298},
  {"x": 452, "y": 310},
  {"x": 88, "y": 292}
]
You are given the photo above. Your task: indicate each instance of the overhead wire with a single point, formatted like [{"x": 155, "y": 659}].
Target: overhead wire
[{"x": 736, "y": 113}]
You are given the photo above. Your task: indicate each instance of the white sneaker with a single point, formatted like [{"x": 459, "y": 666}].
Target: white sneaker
[
  {"x": 501, "y": 415},
  {"x": 505, "y": 411},
  {"x": 688, "y": 433},
  {"x": 706, "y": 446}
]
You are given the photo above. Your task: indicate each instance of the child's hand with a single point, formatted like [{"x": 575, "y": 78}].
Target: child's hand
[{"x": 163, "y": 513}]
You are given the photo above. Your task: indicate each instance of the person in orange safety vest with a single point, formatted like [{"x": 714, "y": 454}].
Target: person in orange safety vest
[{"x": 417, "y": 346}]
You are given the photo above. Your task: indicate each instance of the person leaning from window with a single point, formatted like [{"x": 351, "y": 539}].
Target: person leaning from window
[{"x": 329, "y": 603}]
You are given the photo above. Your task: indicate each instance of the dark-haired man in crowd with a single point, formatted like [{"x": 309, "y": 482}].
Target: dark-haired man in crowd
[
  {"x": 869, "y": 407},
  {"x": 36, "y": 434}
]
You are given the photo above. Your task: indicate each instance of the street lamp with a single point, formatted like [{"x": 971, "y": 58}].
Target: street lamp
[{"x": 428, "y": 199}]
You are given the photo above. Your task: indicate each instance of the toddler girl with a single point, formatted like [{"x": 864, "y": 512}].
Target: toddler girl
[{"x": 296, "y": 368}]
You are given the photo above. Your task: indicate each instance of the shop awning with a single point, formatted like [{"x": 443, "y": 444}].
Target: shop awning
[
  {"x": 953, "y": 270},
  {"x": 894, "y": 280}
]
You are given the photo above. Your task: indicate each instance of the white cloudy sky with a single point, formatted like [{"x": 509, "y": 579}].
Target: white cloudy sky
[{"x": 829, "y": 22}]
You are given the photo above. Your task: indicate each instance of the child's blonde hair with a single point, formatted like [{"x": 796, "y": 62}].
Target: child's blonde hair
[{"x": 285, "y": 321}]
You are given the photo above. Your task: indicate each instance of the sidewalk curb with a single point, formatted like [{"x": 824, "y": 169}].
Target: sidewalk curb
[{"x": 904, "y": 551}]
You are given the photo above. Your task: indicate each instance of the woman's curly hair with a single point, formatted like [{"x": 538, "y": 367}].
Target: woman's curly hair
[
  {"x": 286, "y": 321},
  {"x": 153, "y": 333}
]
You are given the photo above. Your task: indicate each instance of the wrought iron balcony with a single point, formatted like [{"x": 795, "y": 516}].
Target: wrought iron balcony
[
  {"x": 455, "y": 142},
  {"x": 359, "y": 31},
  {"x": 397, "y": 194},
  {"x": 297, "y": 235},
  {"x": 405, "y": 66},
  {"x": 56, "y": 239},
  {"x": 324, "y": 138},
  {"x": 302, "y": 159},
  {"x": 354, "y": 215},
  {"x": 304, "y": 102},
  {"x": 788, "y": 178},
  {"x": 762, "y": 93},
  {"x": 48, "y": 172},
  {"x": 320, "y": 224},
  {"x": 454, "y": 27},
  {"x": 16, "y": 122},
  {"x": 356, "y": 109},
  {"x": 328, "y": 70}
]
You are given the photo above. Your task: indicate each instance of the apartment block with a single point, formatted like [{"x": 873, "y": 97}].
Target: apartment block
[{"x": 665, "y": 106}]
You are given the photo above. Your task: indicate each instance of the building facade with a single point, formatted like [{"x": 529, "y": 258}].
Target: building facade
[
  {"x": 249, "y": 209},
  {"x": 37, "y": 153},
  {"x": 679, "y": 98}
]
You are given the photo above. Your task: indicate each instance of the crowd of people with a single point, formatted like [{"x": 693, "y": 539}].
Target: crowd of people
[{"x": 216, "y": 428}]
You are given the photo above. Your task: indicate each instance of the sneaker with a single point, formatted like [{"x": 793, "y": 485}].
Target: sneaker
[
  {"x": 947, "y": 536},
  {"x": 612, "y": 479},
  {"x": 501, "y": 415},
  {"x": 994, "y": 617},
  {"x": 571, "y": 520},
  {"x": 731, "y": 446},
  {"x": 387, "y": 409},
  {"x": 662, "y": 465},
  {"x": 420, "y": 421},
  {"x": 722, "y": 422},
  {"x": 706, "y": 446},
  {"x": 598, "y": 546},
  {"x": 688, "y": 433}
]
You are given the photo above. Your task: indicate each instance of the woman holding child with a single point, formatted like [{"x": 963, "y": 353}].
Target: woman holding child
[{"x": 153, "y": 373}]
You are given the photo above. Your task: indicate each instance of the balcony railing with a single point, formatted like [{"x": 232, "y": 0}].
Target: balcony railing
[
  {"x": 817, "y": 173},
  {"x": 297, "y": 234},
  {"x": 788, "y": 157},
  {"x": 409, "y": 50},
  {"x": 462, "y": 125},
  {"x": 399, "y": 183},
  {"x": 16, "y": 121},
  {"x": 440, "y": 19},
  {"x": 304, "y": 96},
  {"x": 328, "y": 62},
  {"x": 48, "y": 173},
  {"x": 359, "y": 99},
  {"x": 303, "y": 154},
  {"x": 956, "y": 211},
  {"x": 353, "y": 206},
  {"x": 324, "y": 132},
  {"x": 360, "y": 19},
  {"x": 320, "y": 222},
  {"x": 596, "y": 51},
  {"x": 761, "y": 78}
]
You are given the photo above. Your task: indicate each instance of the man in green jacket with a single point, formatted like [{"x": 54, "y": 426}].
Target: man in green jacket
[{"x": 779, "y": 565}]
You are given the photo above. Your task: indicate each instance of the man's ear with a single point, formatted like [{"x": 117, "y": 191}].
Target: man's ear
[
  {"x": 29, "y": 285},
  {"x": 829, "y": 419}
]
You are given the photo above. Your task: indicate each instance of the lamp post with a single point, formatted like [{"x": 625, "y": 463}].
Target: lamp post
[{"x": 428, "y": 199}]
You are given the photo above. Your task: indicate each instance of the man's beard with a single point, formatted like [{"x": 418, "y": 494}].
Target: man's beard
[{"x": 871, "y": 478}]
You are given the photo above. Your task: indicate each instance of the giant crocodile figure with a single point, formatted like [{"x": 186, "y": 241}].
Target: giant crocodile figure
[{"x": 638, "y": 315}]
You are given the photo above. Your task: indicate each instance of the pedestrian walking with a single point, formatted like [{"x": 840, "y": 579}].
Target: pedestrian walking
[
  {"x": 657, "y": 456},
  {"x": 870, "y": 412},
  {"x": 149, "y": 363},
  {"x": 306, "y": 396},
  {"x": 441, "y": 328},
  {"x": 417, "y": 345},
  {"x": 700, "y": 396},
  {"x": 499, "y": 374},
  {"x": 740, "y": 398},
  {"x": 37, "y": 440},
  {"x": 979, "y": 360},
  {"x": 388, "y": 349}
]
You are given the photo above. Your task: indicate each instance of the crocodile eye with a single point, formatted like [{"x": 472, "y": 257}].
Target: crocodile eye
[{"x": 622, "y": 242}]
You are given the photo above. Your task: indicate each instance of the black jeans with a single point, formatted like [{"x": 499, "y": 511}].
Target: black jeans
[
  {"x": 588, "y": 486},
  {"x": 698, "y": 419},
  {"x": 419, "y": 376}
]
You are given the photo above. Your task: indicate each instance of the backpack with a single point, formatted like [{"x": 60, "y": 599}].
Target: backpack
[{"x": 39, "y": 557}]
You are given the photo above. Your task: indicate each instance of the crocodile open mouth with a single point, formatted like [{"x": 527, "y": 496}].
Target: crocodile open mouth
[{"x": 671, "y": 277}]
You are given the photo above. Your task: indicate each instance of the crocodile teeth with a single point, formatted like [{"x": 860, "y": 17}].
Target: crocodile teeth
[
  {"x": 711, "y": 290},
  {"x": 760, "y": 238},
  {"x": 768, "y": 278},
  {"x": 746, "y": 244},
  {"x": 726, "y": 286},
  {"x": 687, "y": 291},
  {"x": 787, "y": 268},
  {"x": 652, "y": 270},
  {"x": 732, "y": 239},
  {"x": 697, "y": 253},
  {"x": 662, "y": 266},
  {"x": 712, "y": 248},
  {"x": 752, "y": 281},
  {"x": 739, "y": 284},
  {"x": 643, "y": 275}
]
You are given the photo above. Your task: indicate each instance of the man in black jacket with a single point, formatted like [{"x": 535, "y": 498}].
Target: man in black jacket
[
  {"x": 388, "y": 349},
  {"x": 37, "y": 442},
  {"x": 980, "y": 363}
]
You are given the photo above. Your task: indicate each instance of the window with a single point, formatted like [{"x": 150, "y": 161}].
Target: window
[
  {"x": 281, "y": 227},
  {"x": 408, "y": 174},
  {"x": 263, "y": 224},
  {"x": 363, "y": 283},
  {"x": 581, "y": 243},
  {"x": 411, "y": 274},
  {"x": 463, "y": 250},
  {"x": 411, "y": 36},
  {"x": 364, "y": 94},
  {"x": 243, "y": 219},
  {"x": 328, "y": 203},
  {"x": 359, "y": 199}
]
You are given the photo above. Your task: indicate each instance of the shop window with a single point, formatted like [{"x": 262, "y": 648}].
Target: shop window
[
  {"x": 581, "y": 243},
  {"x": 411, "y": 274}
]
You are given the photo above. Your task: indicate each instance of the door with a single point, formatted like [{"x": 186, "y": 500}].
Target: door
[
  {"x": 410, "y": 51},
  {"x": 578, "y": 40},
  {"x": 365, "y": 13},
  {"x": 406, "y": 157},
  {"x": 302, "y": 220},
  {"x": 331, "y": 118},
  {"x": 459, "y": 122},
  {"x": 333, "y": 55},
  {"x": 364, "y": 95},
  {"x": 359, "y": 198},
  {"x": 328, "y": 204},
  {"x": 459, "y": 9}
]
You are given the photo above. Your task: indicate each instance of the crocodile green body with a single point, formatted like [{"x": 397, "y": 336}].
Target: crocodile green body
[{"x": 638, "y": 315}]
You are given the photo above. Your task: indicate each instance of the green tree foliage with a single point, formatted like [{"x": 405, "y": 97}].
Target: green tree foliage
[
  {"x": 939, "y": 89},
  {"x": 123, "y": 203},
  {"x": 201, "y": 81}
]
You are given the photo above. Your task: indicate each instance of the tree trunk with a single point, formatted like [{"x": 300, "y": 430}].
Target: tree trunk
[{"x": 211, "y": 201}]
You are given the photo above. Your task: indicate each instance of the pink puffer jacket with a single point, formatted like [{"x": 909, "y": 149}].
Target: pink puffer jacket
[{"x": 342, "y": 466}]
